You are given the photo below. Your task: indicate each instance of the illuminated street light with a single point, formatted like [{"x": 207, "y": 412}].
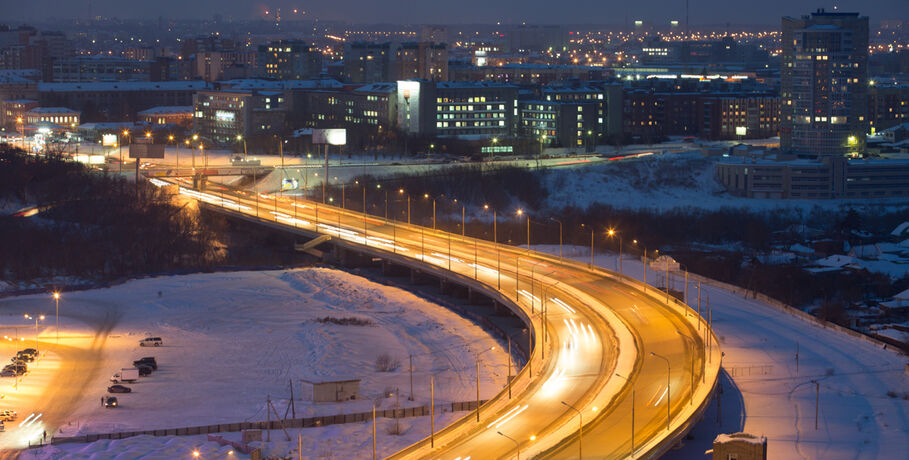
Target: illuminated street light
[
  {"x": 516, "y": 445},
  {"x": 668, "y": 388},
  {"x": 580, "y": 428},
  {"x": 57, "y": 308}
]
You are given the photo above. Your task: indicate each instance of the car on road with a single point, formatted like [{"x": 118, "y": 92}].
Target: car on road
[
  {"x": 24, "y": 356},
  {"x": 110, "y": 402},
  {"x": 7, "y": 415},
  {"x": 119, "y": 389},
  {"x": 151, "y": 342}
]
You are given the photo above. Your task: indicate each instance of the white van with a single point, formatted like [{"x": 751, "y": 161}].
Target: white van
[{"x": 151, "y": 342}]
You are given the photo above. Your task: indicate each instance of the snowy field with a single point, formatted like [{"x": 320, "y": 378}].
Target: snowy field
[
  {"x": 234, "y": 339},
  {"x": 863, "y": 389}
]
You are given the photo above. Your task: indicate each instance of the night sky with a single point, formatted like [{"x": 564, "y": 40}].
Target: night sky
[{"x": 461, "y": 11}]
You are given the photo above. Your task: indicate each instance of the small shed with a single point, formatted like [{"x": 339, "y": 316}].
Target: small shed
[
  {"x": 739, "y": 446},
  {"x": 332, "y": 391}
]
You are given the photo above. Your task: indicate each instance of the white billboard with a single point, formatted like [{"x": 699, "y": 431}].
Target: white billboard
[
  {"x": 329, "y": 136},
  {"x": 109, "y": 140}
]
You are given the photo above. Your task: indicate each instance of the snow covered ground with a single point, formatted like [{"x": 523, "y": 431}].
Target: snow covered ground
[
  {"x": 663, "y": 182},
  {"x": 863, "y": 389},
  {"x": 234, "y": 339}
]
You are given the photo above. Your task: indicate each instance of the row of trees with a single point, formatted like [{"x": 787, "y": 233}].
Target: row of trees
[{"x": 92, "y": 226}]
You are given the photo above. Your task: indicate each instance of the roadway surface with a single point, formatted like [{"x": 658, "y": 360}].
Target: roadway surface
[{"x": 603, "y": 345}]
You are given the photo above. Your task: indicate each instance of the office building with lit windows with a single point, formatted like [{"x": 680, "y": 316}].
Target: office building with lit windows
[
  {"x": 824, "y": 84},
  {"x": 457, "y": 109},
  {"x": 571, "y": 124},
  {"x": 289, "y": 60}
]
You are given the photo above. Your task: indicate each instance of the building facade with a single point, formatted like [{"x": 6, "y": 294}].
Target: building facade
[
  {"x": 824, "y": 84},
  {"x": 831, "y": 177},
  {"x": 457, "y": 109},
  {"x": 289, "y": 60},
  {"x": 422, "y": 61}
]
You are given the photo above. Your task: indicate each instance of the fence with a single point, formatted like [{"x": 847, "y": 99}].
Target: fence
[{"x": 307, "y": 422}]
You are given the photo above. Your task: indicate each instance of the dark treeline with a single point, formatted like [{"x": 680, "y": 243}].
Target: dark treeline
[{"x": 92, "y": 226}]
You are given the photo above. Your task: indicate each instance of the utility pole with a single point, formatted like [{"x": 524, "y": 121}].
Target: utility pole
[
  {"x": 411, "y": 378},
  {"x": 817, "y": 401},
  {"x": 478, "y": 389},
  {"x": 432, "y": 412},
  {"x": 509, "y": 367},
  {"x": 373, "y": 432}
]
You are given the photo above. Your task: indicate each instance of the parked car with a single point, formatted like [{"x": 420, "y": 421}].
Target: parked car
[
  {"x": 119, "y": 389},
  {"x": 19, "y": 367},
  {"x": 7, "y": 415},
  {"x": 144, "y": 370},
  {"x": 23, "y": 356},
  {"x": 110, "y": 401},
  {"x": 151, "y": 342},
  {"x": 8, "y": 372},
  {"x": 147, "y": 361}
]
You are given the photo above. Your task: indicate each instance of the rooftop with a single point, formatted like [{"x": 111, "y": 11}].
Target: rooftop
[{"x": 124, "y": 86}]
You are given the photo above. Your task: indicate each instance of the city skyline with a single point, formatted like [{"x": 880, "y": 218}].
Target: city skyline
[{"x": 611, "y": 12}]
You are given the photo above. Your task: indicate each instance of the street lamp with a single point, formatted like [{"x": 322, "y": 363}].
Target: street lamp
[
  {"x": 632, "y": 410},
  {"x": 57, "y": 308},
  {"x": 516, "y": 445},
  {"x": 401, "y": 192},
  {"x": 580, "y": 428},
  {"x": 668, "y": 388},
  {"x": 560, "y": 235},
  {"x": 693, "y": 346},
  {"x": 36, "y": 318},
  {"x": 611, "y": 232},
  {"x": 520, "y": 212}
]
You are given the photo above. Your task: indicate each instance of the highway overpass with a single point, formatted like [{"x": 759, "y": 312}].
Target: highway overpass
[{"x": 617, "y": 369}]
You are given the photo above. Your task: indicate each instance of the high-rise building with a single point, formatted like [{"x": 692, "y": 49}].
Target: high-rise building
[
  {"x": 367, "y": 62},
  {"x": 423, "y": 61},
  {"x": 824, "y": 84},
  {"x": 289, "y": 60}
]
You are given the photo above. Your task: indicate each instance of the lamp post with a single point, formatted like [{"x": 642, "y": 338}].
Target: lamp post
[
  {"x": 632, "y": 411},
  {"x": 668, "y": 388},
  {"x": 560, "y": 235},
  {"x": 36, "y": 318},
  {"x": 516, "y": 445},
  {"x": 126, "y": 135},
  {"x": 170, "y": 139},
  {"x": 591, "y": 243},
  {"x": 611, "y": 232},
  {"x": 580, "y": 428},
  {"x": 520, "y": 212},
  {"x": 687, "y": 339},
  {"x": 57, "y": 309}
]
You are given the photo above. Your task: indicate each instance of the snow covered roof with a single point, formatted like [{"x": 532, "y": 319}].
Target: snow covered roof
[
  {"x": 901, "y": 229},
  {"x": 167, "y": 109},
  {"x": 902, "y": 295},
  {"x": 52, "y": 110},
  {"x": 378, "y": 87},
  {"x": 253, "y": 83},
  {"x": 723, "y": 438},
  {"x": 800, "y": 249},
  {"x": 124, "y": 86}
]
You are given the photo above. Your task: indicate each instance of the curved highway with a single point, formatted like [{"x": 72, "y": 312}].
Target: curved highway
[{"x": 635, "y": 368}]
